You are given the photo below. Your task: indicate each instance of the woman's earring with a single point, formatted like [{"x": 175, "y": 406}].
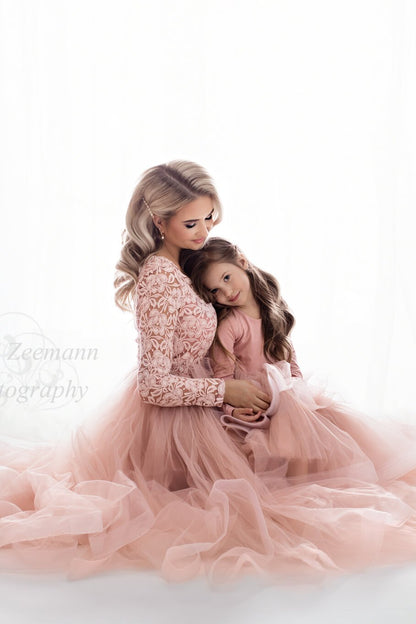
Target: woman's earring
[{"x": 162, "y": 236}]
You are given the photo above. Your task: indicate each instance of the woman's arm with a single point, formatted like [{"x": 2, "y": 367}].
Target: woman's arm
[{"x": 159, "y": 296}]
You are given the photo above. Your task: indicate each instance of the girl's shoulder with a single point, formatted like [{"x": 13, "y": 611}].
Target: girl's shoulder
[
  {"x": 238, "y": 318},
  {"x": 233, "y": 323}
]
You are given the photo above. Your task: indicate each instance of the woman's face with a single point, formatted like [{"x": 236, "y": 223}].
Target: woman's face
[{"x": 189, "y": 227}]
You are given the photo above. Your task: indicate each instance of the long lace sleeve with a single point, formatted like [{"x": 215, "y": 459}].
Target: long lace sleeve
[{"x": 160, "y": 300}]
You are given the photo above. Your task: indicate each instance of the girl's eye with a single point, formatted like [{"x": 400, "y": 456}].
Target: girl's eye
[
  {"x": 226, "y": 278},
  {"x": 213, "y": 291}
]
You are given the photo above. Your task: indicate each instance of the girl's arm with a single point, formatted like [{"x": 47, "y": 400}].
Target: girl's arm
[
  {"x": 294, "y": 366},
  {"x": 159, "y": 295},
  {"x": 222, "y": 364}
]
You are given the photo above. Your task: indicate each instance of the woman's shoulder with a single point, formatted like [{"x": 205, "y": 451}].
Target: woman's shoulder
[
  {"x": 158, "y": 274},
  {"x": 156, "y": 264}
]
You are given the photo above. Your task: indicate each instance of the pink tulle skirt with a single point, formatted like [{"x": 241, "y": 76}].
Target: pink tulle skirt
[{"x": 319, "y": 490}]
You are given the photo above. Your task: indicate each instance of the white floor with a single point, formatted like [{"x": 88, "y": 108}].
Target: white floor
[{"x": 374, "y": 597}]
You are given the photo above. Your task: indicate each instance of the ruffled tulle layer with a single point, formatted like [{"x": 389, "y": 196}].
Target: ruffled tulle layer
[{"x": 322, "y": 490}]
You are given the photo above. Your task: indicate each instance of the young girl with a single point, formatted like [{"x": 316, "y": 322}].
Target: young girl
[{"x": 311, "y": 435}]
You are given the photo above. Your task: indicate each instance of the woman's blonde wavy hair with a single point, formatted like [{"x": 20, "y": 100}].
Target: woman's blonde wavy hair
[{"x": 166, "y": 189}]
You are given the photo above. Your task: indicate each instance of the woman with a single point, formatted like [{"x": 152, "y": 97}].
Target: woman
[
  {"x": 185, "y": 206},
  {"x": 146, "y": 468},
  {"x": 157, "y": 483}
]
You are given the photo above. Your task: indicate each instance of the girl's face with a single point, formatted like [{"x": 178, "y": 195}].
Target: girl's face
[
  {"x": 189, "y": 227},
  {"x": 230, "y": 284}
]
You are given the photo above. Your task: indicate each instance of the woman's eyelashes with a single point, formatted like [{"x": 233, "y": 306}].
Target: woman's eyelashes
[{"x": 191, "y": 225}]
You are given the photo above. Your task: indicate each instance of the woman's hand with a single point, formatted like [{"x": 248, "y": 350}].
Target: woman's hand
[
  {"x": 243, "y": 393},
  {"x": 242, "y": 413}
]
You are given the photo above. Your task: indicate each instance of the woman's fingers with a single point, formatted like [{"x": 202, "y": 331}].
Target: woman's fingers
[
  {"x": 242, "y": 393},
  {"x": 261, "y": 399},
  {"x": 264, "y": 397},
  {"x": 260, "y": 405}
]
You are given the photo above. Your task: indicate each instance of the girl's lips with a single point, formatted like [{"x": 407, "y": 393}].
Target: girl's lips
[
  {"x": 234, "y": 298},
  {"x": 199, "y": 240}
]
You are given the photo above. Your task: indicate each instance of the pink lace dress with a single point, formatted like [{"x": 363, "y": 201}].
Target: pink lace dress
[{"x": 158, "y": 483}]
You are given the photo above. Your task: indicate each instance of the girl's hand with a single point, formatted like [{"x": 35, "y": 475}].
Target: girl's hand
[
  {"x": 243, "y": 393},
  {"x": 245, "y": 414}
]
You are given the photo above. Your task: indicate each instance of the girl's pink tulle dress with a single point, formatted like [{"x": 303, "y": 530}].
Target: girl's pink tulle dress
[{"x": 160, "y": 482}]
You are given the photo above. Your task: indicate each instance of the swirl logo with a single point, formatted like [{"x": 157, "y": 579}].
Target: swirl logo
[{"x": 33, "y": 370}]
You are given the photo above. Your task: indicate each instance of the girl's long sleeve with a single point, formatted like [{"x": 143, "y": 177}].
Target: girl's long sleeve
[
  {"x": 294, "y": 366},
  {"x": 236, "y": 335},
  {"x": 222, "y": 364}
]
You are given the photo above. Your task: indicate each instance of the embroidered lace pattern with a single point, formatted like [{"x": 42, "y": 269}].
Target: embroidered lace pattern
[{"x": 175, "y": 330}]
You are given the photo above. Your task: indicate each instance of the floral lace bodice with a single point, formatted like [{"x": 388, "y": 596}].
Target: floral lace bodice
[{"x": 175, "y": 330}]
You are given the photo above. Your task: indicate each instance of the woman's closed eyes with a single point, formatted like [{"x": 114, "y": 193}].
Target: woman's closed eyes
[{"x": 191, "y": 225}]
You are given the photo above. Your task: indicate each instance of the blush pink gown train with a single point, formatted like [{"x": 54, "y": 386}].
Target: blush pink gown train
[{"x": 161, "y": 483}]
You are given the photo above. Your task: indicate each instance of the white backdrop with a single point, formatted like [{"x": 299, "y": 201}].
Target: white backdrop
[{"x": 302, "y": 112}]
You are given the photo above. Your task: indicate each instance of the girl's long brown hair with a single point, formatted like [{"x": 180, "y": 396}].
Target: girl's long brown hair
[{"x": 276, "y": 319}]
